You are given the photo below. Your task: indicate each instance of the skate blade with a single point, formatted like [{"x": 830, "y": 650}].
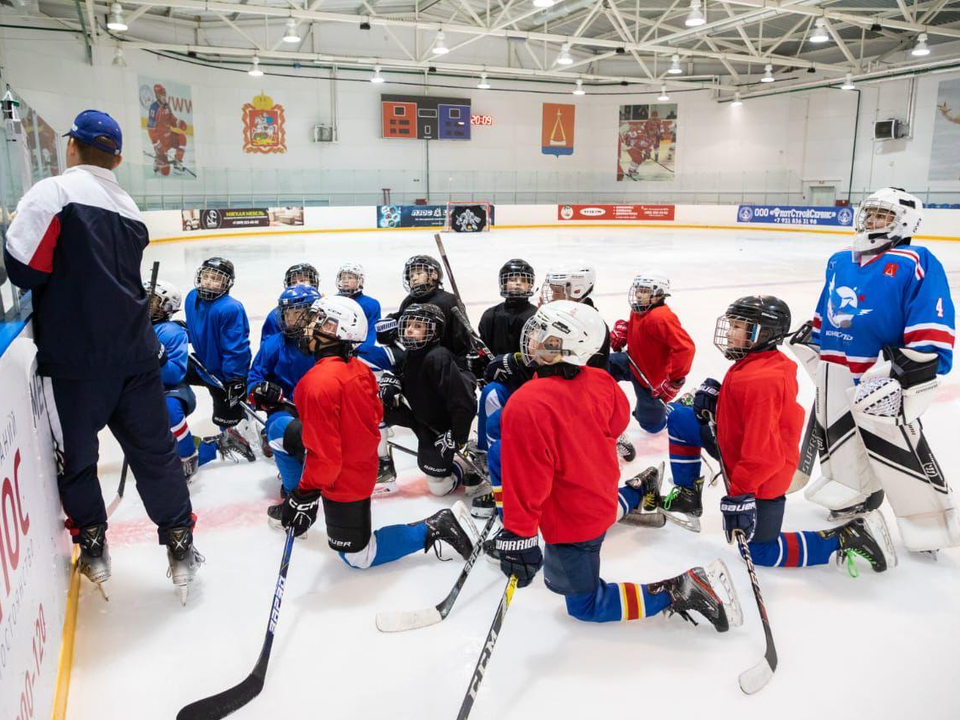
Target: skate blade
[
  {"x": 484, "y": 514},
  {"x": 876, "y": 522},
  {"x": 466, "y": 521},
  {"x": 103, "y": 593},
  {"x": 182, "y": 592},
  {"x": 719, "y": 577},
  {"x": 686, "y": 522},
  {"x": 481, "y": 488},
  {"x": 645, "y": 519}
]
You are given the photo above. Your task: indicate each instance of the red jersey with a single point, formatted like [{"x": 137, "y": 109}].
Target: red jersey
[
  {"x": 340, "y": 410},
  {"x": 659, "y": 345},
  {"x": 759, "y": 424},
  {"x": 559, "y": 456}
]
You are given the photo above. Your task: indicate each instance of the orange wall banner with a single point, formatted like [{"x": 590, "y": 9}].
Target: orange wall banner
[{"x": 556, "y": 134}]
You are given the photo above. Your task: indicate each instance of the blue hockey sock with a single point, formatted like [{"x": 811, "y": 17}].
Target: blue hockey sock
[
  {"x": 206, "y": 452},
  {"x": 627, "y": 499},
  {"x": 795, "y": 549},
  {"x": 616, "y": 602},
  {"x": 397, "y": 541}
]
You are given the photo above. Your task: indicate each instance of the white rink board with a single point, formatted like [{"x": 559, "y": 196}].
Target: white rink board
[{"x": 879, "y": 647}]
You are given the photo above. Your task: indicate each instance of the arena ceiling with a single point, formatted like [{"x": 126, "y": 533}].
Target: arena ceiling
[{"x": 650, "y": 43}]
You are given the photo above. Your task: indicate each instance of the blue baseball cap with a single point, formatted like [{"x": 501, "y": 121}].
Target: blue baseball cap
[{"x": 93, "y": 124}]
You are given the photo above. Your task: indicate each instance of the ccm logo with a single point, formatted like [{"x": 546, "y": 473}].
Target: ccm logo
[{"x": 593, "y": 212}]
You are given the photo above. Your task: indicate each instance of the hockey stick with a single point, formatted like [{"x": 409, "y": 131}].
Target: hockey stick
[
  {"x": 210, "y": 379},
  {"x": 404, "y": 449},
  {"x": 480, "y": 670},
  {"x": 460, "y": 311},
  {"x": 809, "y": 450},
  {"x": 414, "y": 620},
  {"x": 222, "y": 704},
  {"x": 755, "y": 678},
  {"x": 175, "y": 164}
]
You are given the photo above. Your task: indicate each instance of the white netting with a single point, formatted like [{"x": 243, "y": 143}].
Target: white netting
[{"x": 879, "y": 396}]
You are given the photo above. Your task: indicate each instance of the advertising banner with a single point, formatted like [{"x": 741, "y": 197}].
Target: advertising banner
[
  {"x": 410, "y": 216},
  {"x": 233, "y": 218},
  {"x": 615, "y": 212},
  {"x": 795, "y": 215}
]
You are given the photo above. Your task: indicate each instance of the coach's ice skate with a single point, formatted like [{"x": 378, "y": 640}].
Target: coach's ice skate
[
  {"x": 94, "y": 560},
  {"x": 184, "y": 560}
]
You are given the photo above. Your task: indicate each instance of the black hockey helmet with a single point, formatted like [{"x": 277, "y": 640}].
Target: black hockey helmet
[
  {"x": 301, "y": 270},
  {"x": 514, "y": 269},
  {"x": 434, "y": 275},
  {"x": 421, "y": 324},
  {"x": 214, "y": 278},
  {"x": 764, "y": 321}
]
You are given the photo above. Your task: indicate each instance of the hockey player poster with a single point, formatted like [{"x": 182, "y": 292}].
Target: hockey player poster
[
  {"x": 945, "y": 149},
  {"x": 647, "y": 142},
  {"x": 166, "y": 118}
]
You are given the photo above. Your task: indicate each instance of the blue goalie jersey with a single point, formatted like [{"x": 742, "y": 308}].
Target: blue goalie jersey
[{"x": 900, "y": 298}]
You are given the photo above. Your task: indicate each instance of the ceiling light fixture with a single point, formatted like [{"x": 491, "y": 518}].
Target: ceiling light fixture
[
  {"x": 255, "y": 70},
  {"x": 565, "y": 58},
  {"x": 695, "y": 17},
  {"x": 483, "y": 84},
  {"x": 848, "y": 83},
  {"x": 737, "y": 102},
  {"x": 675, "y": 68},
  {"x": 118, "y": 58},
  {"x": 115, "y": 21},
  {"x": 377, "y": 77},
  {"x": 767, "y": 74},
  {"x": 578, "y": 90},
  {"x": 291, "y": 36},
  {"x": 820, "y": 32},
  {"x": 440, "y": 46},
  {"x": 920, "y": 49},
  {"x": 663, "y": 94}
]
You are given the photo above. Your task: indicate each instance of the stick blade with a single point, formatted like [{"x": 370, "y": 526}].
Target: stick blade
[
  {"x": 408, "y": 620},
  {"x": 755, "y": 678},
  {"x": 223, "y": 704}
]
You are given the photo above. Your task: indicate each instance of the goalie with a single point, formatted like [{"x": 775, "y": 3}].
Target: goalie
[{"x": 882, "y": 333}]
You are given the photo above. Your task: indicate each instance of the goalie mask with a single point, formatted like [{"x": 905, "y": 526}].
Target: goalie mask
[
  {"x": 421, "y": 325},
  {"x": 350, "y": 278},
  {"x": 884, "y": 220},
  {"x": 751, "y": 324},
  {"x": 647, "y": 291},
  {"x": 421, "y": 275},
  {"x": 214, "y": 278},
  {"x": 569, "y": 283},
  {"x": 295, "y": 304},
  {"x": 562, "y": 332},
  {"x": 333, "y": 320},
  {"x": 164, "y": 302}
]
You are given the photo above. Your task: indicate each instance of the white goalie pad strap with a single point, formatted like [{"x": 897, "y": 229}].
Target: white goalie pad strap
[
  {"x": 913, "y": 482},
  {"x": 808, "y": 355},
  {"x": 847, "y": 475}
]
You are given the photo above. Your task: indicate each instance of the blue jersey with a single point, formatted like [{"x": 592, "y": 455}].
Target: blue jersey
[
  {"x": 174, "y": 339},
  {"x": 371, "y": 308},
  {"x": 271, "y": 326},
  {"x": 220, "y": 335},
  {"x": 279, "y": 361},
  {"x": 900, "y": 298}
]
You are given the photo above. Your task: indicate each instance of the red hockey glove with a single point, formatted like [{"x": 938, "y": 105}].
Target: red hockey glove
[{"x": 618, "y": 336}]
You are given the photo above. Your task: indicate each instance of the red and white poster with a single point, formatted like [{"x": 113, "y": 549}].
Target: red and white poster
[{"x": 615, "y": 212}]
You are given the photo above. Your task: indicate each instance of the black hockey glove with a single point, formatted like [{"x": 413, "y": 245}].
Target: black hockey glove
[
  {"x": 162, "y": 356},
  {"x": 504, "y": 368},
  {"x": 911, "y": 369},
  {"x": 705, "y": 401},
  {"x": 477, "y": 362},
  {"x": 390, "y": 390},
  {"x": 299, "y": 510},
  {"x": 520, "y": 556},
  {"x": 266, "y": 396},
  {"x": 236, "y": 391},
  {"x": 387, "y": 332},
  {"x": 739, "y": 513}
]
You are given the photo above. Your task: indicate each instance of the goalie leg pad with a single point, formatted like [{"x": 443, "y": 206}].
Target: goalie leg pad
[{"x": 847, "y": 477}]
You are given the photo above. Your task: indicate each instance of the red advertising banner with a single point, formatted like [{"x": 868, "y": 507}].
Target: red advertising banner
[{"x": 615, "y": 212}]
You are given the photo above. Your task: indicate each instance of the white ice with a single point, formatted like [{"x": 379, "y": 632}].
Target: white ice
[{"x": 881, "y": 646}]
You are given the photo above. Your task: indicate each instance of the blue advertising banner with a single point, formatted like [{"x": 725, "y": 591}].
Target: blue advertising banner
[
  {"x": 408, "y": 216},
  {"x": 795, "y": 215}
]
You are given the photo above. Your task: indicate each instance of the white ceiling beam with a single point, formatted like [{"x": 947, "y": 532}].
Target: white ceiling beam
[
  {"x": 240, "y": 31},
  {"x": 903, "y": 11},
  {"x": 618, "y": 22},
  {"x": 840, "y": 43}
]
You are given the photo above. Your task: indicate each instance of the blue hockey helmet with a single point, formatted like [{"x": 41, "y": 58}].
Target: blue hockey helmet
[{"x": 294, "y": 305}]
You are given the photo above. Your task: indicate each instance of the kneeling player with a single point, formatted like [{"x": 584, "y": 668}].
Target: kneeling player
[
  {"x": 560, "y": 476},
  {"x": 758, "y": 424},
  {"x": 340, "y": 411},
  {"x": 435, "y": 399},
  {"x": 299, "y": 274}
]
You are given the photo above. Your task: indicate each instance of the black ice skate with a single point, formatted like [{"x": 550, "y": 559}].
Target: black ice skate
[
  {"x": 684, "y": 506},
  {"x": 874, "y": 501},
  {"x": 232, "y": 446},
  {"x": 190, "y": 466},
  {"x": 386, "y": 477},
  {"x": 274, "y": 515},
  {"x": 698, "y": 590},
  {"x": 184, "y": 560},
  {"x": 866, "y": 537},
  {"x": 474, "y": 483},
  {"x": 647, "y": 483},
  {"x": 94, "y": 560},
  {"x": 454, "y": 527},
  {"x": 477, "y": 456},
  {"x": 625, "y": 449}
]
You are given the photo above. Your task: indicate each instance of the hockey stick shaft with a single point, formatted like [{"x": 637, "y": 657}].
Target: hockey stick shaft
[
  {"x": 643, "y": 377},
  {"x": 229, "y": 701},
  {"x": 446, "y": 605},
  {"x": 481, "y": 668},
  {"x": 212, "y": 380},
  {"x": 410, "y": 451},
  {"x": 446, "y": 266}
]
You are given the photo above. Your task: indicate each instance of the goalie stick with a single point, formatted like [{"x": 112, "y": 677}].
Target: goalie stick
[
  {"x": 481, "y": 668},
  {"x": 755, "y": 678},
  {"x": 222, "y": 704},
  {"x": 416, "y": 619}
]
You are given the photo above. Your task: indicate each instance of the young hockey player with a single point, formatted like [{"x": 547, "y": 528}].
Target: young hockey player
[
  {"x": 340, "y": 411},
  {"x": 219, "y": 332},
  {"x": 883, "y": 331},
  {"x": 299, "y": 274},
  {"x": 435, "y": 399},
  {"x": 561, "y": 472},
  {"x": 501, "y": 324},
  {"x": 657, "y": 344},
  {"x": 758, "y": 426},
  {"x": 423, "y": 281},
  {"x": 279, "y": 365}
]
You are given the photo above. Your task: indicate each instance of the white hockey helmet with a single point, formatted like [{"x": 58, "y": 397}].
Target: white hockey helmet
[
  {"x": 167, "y": 302},
  {"x": 350, "y": 268},
  {"x": 338, "y": 318},
  {"x": 562, "y": 331},
  {"x": 886, "y": 218},
  {"x": 570, "y": 282},
  {"x": 657, "y": 286}
]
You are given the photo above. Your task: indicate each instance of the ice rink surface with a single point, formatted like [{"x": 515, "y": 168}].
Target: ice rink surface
[{"x": 880, "y": 646}]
